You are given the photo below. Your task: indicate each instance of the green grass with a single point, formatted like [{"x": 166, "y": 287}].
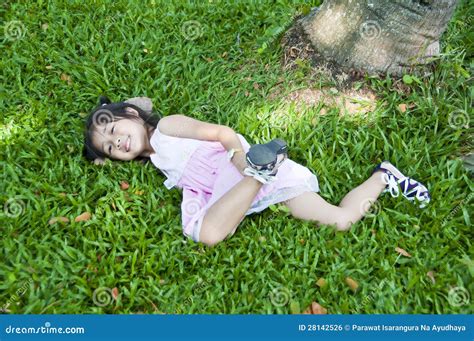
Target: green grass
[{"x": 138, "y": 247}]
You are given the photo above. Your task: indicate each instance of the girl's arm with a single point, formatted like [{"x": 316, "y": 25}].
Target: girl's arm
[{"x": 188, "y": 127}]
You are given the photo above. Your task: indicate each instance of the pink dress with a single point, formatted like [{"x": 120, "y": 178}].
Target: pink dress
[{"x": 202, "y": 171}]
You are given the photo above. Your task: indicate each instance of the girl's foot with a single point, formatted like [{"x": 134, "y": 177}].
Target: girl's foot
[
  {"x": 264, "y": 159},
  {"x": 395, "y": 180}
]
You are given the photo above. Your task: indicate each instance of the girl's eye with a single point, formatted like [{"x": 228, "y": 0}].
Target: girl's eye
[
  {"x": 110, "y": 150},
  {"x": 113, "y": 128}
]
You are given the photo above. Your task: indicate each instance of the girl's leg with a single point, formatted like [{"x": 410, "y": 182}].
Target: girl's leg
[
  {"x": 310, "y": 206},
  {"x": 223, "y": 217}
]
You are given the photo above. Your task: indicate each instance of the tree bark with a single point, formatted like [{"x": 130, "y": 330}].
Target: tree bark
[{"x": 378, "y": 36}]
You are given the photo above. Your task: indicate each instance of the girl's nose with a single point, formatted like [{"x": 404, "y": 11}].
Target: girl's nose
[{"x": 118, "y": 143}]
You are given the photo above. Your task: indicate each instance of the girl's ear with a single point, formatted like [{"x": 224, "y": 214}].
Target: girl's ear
[
  {"x": 143, "y": 103},
  {"x": 99, "y": 161},
  {"x": 132, "y": 111},
  {"x": 103, "y": 100}
]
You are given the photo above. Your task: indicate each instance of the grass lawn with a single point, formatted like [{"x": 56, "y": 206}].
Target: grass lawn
[{"x": 220, "y": 62}]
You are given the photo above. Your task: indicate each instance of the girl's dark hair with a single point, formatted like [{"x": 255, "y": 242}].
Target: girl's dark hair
[{"x": 106, "y": 112}]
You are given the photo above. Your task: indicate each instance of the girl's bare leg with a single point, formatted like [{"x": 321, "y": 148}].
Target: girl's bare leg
[
  {"x": 223, "y": 217},
  {"x": 311, "y": 206}
]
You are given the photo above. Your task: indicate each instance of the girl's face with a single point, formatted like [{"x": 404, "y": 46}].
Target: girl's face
[{"x": 123, "y": 140}]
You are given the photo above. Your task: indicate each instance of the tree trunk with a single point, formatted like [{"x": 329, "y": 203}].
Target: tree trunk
[{"x": 378, "y": 36}]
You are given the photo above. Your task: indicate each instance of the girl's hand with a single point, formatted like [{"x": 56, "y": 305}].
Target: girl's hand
[{"x": 240, "y": 162}]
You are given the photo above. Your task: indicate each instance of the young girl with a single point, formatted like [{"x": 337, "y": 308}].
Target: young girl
[{"x": 222, "y": 177}]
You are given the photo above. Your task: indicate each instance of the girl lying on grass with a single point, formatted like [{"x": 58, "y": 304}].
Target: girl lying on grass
[{"x": 222, "y": 177}]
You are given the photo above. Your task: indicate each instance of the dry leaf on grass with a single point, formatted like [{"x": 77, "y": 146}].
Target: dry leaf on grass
[
  {"x": 321, "y": 282},
  {"x": 66, "y": 78},
  {"x": 124, "y": 185},
  {"x": 316, "y": 309},
  {"x": 431, "y": 275},
  {"x": 83, "y": 217},
  {"x": 352, "y": 284},
  {"x": 115, "y": 293},
  {"x": 402, "y": 252},
  {"x": 402, "y": 107},
  {"x": 56, "y": 219}
]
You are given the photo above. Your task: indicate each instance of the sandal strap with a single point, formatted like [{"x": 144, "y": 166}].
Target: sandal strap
[
  {"x": 259, "y": 175},
  {"x": 392, "y": 184}
]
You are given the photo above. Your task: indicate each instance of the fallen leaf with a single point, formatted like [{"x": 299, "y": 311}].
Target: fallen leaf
[
  {"x": 302, "y": 241},
  {"x": 56, "y": 219},
  {"x": 247, "y": 94},
  {"x": 124, "y": 185},
  {"x": 137, "y": 192},
  {"x": 45, "y": 26},
  {"x": 316, "y": 309},
  {"x": 256, "y": 86},
  {"x": 431, "y": 275},
  {"x": 115, "y": 293},
  {"x": 48, "y": 67},
  {"x": 115, "y": 208},
  {"x": 402, "y": 252},
  {"x": 224, "y": 54},
  {"x": 66, "y": 78},
  {"x": 321, "y": 282},
  {"x": 209, "y": 59},
  {"x": 402, "y": 107},
  {"x": 62, "y": 194},
  {"x": 83, "y": 217},
  {"x": 352, "y": 284}
]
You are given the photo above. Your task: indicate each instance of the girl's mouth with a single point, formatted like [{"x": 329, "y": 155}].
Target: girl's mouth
[{"x": 127, "y": 145}]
